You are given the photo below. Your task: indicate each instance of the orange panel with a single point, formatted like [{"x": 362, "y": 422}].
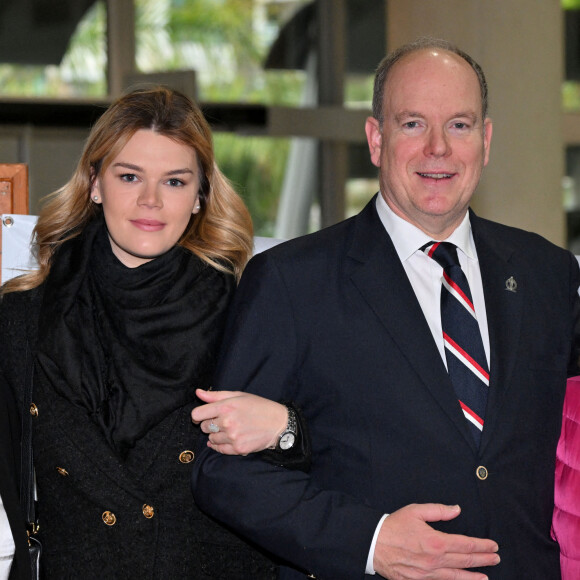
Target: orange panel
[{"x": 13, "y": 190}]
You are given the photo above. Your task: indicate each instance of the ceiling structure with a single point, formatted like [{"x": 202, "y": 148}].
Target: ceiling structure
[
  {"x": 38, "y": 31},
  {"x": 365, "y": 37}
]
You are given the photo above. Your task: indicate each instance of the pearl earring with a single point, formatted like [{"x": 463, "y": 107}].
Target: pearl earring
[
  {"x": 95, "y": 198},
  {"x": 198, "y": 206}
]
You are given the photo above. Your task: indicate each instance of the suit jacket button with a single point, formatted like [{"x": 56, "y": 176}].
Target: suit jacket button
[
  {"x": 481, "y": 472},
  {"x": 186, "y": 456},
  {"x": 33, "y": 410},
  {"x": 109, "y": 518},
  {"x": 62, "y": 471},
  {"x": 148, "y": 511}
]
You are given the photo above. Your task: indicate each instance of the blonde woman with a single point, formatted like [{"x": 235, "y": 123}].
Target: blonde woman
[{"x": 139, "y": 255}]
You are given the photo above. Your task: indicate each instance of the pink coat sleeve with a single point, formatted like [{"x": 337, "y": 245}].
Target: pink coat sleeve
[{"x": 566, "y": 521}]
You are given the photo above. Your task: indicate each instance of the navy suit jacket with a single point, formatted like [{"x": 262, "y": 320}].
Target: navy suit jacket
[{"x": 330, "y": 321}]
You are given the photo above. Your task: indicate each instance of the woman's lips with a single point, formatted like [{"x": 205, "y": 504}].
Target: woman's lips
[{"x": 148, "y": 225}]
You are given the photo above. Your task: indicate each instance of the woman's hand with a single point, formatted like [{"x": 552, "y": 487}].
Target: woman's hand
[{"x": 239, "y": 423}]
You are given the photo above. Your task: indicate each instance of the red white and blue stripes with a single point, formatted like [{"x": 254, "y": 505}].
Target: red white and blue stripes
[{"x": 465, "y": 355}]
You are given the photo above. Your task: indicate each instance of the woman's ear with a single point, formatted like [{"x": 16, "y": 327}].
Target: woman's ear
[
  {"x": 95, "y": 191},
  {"x": 196, "y": 205}
]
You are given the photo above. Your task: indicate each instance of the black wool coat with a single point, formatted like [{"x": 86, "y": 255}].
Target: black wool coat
[
  {"x": 10, "y": 481},
  {"x": 104, "y": 517}
]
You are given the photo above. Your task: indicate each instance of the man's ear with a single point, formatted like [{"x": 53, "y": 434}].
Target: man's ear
[
  {"x": 374, "y": 139},
  {"x": 487, "y": 132}
]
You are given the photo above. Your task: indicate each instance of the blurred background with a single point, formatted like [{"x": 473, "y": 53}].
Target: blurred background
[{"x": 287, "y": 85}]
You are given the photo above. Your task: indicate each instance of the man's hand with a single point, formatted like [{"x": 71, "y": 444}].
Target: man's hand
[
  {"x": 408, "y": 548},
  {"x": 245, "y": 423}
]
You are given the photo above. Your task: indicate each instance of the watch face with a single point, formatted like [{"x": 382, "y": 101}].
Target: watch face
[{"x": 286, "y": 441}]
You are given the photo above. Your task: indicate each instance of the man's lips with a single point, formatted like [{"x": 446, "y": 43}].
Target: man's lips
[
  {"x": 436, "y": 175},
  {"x": 148, "y": 225}
]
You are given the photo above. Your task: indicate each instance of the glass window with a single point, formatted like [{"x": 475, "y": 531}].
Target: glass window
[
  {"x": 259, "y": 53},
  {"x": 256, "y": 167},
  {"x": 571, "y": 85},
  {"x": 224, "y": 41},
  {"x": 80, "y": 73}
]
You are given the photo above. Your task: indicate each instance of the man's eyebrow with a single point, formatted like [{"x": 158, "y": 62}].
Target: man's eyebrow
[
  {"x": 469, "y": 114},
  {"x": 474, "y": 117},
  {"x": 406, "y": 114}
]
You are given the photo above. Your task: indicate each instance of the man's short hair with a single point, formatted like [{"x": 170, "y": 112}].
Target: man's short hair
[{"x": 395, "y": 56}]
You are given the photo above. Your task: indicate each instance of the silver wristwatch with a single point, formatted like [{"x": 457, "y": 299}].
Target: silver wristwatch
[{"x": 288, "y": 436}]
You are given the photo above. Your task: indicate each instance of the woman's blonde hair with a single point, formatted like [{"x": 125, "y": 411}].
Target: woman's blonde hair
[{"x": 220, "y": 233}]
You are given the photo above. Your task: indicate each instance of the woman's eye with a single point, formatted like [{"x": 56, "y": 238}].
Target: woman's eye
[
  {"x": 175, "y": 182},
  {"x": 129, "y": 177}
]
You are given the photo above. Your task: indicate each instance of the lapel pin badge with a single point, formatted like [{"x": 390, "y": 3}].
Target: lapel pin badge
[{"x": 511, "y": 285}]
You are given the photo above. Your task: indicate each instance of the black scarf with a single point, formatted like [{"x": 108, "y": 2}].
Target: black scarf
[{"x": 129, "y": 345}]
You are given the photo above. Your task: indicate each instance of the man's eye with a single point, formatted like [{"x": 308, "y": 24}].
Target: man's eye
[
  {"x": 460, "y": 125},
  {"x": 411, "y": 125}
]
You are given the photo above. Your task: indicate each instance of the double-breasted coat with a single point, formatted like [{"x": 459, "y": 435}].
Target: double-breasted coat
[{"x": 103, "y": 517}]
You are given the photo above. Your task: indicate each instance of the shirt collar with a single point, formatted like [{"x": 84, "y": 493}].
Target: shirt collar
[{"x": 408, "y": 238}]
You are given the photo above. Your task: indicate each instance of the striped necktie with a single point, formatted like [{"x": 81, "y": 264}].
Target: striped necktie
[{"x": 466, "y": 361}]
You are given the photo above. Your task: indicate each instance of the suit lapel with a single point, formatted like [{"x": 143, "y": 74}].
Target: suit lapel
[
  {"x": 382, "y": 281},
  {"x": 504, "y": 288}
]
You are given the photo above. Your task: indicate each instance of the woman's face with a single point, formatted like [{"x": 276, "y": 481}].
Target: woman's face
[{"x": 148, "y": 192}]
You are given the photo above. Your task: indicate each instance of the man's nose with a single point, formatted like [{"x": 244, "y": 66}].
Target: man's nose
[{"x": 437, "y": 144}]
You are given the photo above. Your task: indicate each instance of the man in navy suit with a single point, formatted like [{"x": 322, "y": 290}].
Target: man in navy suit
[{"x": 346, "y": 324}]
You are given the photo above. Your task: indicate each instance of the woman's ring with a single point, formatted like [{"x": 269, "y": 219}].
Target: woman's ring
[{"x": 213, "y": 427}]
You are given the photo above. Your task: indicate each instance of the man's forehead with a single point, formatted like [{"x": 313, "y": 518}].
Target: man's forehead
[
  {"x": 419, "y": 61},
  {"x": 433, "y": 66}
]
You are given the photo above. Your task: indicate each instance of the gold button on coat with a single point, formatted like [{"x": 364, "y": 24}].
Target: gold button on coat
[
  {"x": 33, "y": 410},
  {"x": 148, "y": 511},
  {"x": 481, "y": 472},
  {"x": 109, "y": 518},
  {"x": 62, "y": 471},
  {"x": 186, "y": 456}
]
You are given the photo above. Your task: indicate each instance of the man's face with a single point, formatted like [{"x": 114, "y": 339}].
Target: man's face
[{"x": 433, "y": 142}]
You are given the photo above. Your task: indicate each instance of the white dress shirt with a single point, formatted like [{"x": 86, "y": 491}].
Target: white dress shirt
[{"x": 425, "y": 275}]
